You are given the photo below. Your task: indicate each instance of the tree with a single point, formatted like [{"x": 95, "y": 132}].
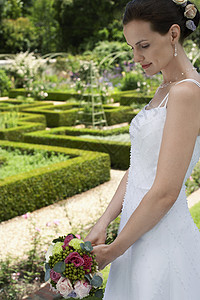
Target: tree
[
  {"x": 82, "y": 20},
  {"x": 47, "y": 28},
  {"x": 12, "y": 9},
  {"x": 19, "y": 35}
]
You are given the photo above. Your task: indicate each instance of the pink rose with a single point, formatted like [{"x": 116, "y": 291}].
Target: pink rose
[
  {"x": 64, "y": 287},
  {"x": 74, "y": 258},
  {"x": 87, "y": 262},
  {"x": 78, "y": 236},
  {"x": 68, "y": 238},
  {"x": 82, "y": 289},
  {"x": 54, "y": 276}
]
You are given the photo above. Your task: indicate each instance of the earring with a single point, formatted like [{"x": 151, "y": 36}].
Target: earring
[{"x": 175, "y": 52}]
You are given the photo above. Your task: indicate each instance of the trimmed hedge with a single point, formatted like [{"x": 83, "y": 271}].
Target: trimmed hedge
[
  {"x": 68, "y": 137},
  {"x": 13, "y": 104},
  {"x": 56, "y": 96},
  {"x": 126, "y": 98},
  {"x": 65, "y": 117},
  {"x": 43, "y": 186},
  {"x": 26, "y": 123},
  {"x": 68, "y": 114}
]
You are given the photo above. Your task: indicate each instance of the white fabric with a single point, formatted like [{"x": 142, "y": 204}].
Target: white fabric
[{"x": 164, "y": 264}]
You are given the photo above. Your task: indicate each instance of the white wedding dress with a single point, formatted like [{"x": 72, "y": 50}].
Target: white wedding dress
[{"x": 164, "y": 264}]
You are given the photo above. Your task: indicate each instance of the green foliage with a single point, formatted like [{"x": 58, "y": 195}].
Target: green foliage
[
  {"x": 195, "y": 213},
  {"x": 112, "y": 230},
  {"x": 19, "y": 35},
  {"x": 9, "y": 119},
  {"x": 43, "y": 17},
  {"x": 67, "y": 137},
  {"x": 18, "y": 162},
  {"x": 193, "y": 183},
  {"x": 5, "y": 83},
  {"x": 96, "y": 19},
  {"x": 130, "y": 81},
  {"x": 26, "y": 123},
  {"x": 45, "y": 186},
  {"x": 12, "y": 9},
  {"x": 108, "y": 49}
]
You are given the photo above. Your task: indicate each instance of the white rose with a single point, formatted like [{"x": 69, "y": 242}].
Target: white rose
[
  {"x": 82, "y": 289},
  {"x": 64, "y": 287},
  {"x": 180, "y": 1},
  {"x": 190, "y": 11}
]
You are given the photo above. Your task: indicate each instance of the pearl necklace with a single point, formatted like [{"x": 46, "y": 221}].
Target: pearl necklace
[{"x": 165, "y": 84}]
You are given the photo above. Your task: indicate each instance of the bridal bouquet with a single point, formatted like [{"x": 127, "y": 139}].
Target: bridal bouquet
[{"x": 71, "y": 269}]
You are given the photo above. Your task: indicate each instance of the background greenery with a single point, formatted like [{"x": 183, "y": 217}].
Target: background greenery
[{"x": 61, "y": 25}]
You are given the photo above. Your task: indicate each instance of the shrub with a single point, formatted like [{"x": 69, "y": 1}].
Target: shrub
[
  {"x": 5, "y": 83},
  {"x": 32, "y": 190},
  {"x": 130, "y": 81}
]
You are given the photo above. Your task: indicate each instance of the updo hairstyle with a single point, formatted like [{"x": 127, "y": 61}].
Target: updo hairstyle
[{"x": 162, "y": 14}]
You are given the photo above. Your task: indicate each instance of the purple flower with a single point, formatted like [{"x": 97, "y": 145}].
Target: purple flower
[
  {"x": 72, "y": 295},
  {"x": 54, "y": 276},
  {"x": 68, "y": 238}
]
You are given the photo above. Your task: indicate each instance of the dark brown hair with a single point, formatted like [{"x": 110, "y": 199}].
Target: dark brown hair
[{"x": 162, "y": 14}]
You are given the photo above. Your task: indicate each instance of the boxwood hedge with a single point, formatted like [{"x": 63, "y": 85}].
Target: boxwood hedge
[
  {"x": 26, "y": 123},
  {"x": 71, "y": 138},
  {"x": 44, "y": 186}
]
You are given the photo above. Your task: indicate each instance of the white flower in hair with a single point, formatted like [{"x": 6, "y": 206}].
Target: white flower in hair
[
  {"x": 190, "y": 11},
  {"x": 180, "y": 2}
]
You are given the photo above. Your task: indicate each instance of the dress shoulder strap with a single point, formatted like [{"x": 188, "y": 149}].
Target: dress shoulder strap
[{"x": 188, "y": 79}]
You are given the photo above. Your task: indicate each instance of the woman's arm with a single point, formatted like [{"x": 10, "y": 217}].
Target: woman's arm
[
  {"x": 98, "y": 233},
  {"x": 179, "y": 136}
]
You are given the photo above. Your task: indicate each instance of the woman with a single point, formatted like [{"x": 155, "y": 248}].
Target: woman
[{"x": 156, "y": 255}]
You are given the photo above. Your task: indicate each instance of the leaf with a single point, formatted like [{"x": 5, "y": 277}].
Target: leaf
[
  {"x": 96, "y": 281},
  {"x": 47, "y": 267},
  {"x": 59, "y": 267},
  {"x": 47, "y": 275},
  {"x": 99, "y": 294},
  {"x": 87, "y": 246},
  {"x": 82, "y": 246},
  {"x": 88, "y": 278}
]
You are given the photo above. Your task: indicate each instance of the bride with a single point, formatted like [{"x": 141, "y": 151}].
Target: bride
[{"x": 156, "y": 253}]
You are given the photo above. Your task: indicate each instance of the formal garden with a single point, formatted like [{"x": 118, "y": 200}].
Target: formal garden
[{"x": 68, "y": 93}]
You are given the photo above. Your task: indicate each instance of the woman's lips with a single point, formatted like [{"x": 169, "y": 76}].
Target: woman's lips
[{"x": 146, "y": 66}]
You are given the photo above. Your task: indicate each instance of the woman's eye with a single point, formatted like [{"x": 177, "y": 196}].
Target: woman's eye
[{"x": 145, "y": 46}]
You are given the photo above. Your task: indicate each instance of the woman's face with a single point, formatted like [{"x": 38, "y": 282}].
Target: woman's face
[{"x": 151, "y": 49}]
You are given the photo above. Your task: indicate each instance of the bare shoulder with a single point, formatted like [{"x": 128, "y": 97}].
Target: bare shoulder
[{"x": 185, "y": 94}]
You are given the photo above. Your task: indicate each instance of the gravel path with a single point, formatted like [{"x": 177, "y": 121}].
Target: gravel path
[{"x": 76, "y": 212}]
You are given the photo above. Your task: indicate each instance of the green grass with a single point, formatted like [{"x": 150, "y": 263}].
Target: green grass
[
  {"x": 195, "y": 213},
  {"x": 17, "y": 162}
]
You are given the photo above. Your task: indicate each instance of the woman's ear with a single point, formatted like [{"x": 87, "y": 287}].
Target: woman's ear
[{"x": 175, "y": 32}]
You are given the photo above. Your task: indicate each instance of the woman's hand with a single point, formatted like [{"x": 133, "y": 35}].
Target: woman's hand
[
  {"x": 97, "y": 235},
  {"x": 104, "y": 255}
]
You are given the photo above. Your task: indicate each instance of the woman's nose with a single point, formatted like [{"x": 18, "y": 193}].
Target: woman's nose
[{"x": 138, "y": 57}]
